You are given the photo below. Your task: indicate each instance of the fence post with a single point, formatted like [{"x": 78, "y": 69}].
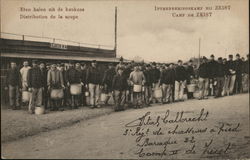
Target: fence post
[{"x": 23, "y": 37}]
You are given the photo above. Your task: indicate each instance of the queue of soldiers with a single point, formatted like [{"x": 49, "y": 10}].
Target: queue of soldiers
[{"x": 55, "y": 86}]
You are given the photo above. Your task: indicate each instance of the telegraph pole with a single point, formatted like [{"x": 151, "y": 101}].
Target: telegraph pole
[
  {"x": 115, "y": 30},
  {"x": 199, "y": 51}
]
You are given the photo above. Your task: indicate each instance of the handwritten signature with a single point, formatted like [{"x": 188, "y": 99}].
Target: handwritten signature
[{"x": 180, "y": 117}]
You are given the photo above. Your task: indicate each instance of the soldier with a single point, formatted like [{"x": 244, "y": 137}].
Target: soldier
[
  {"x": 119, "y": 87},
  {"x": 190, "y": 76},
  {"x": 203, "y": 79},
  {"x": 44, "y": 84},
  {"x": 128, "y": 69},
  {"x": 74, "y": 77},
  {"x": 167, "y": 80},
  {"x": 24, "y": 73},
  {"x": 147, "y": 85},
  {"x": 232, "y": 74},
  {"x": 61, "y": 67},
  {"x": 107, "y": 81},
  {"x": 180, "y": 81},
  {"x": 55, "y": 81},
  {"x": 84, "y": 72},
  {"x": 93, "y": 80},
  {"x": 137, "y": 78},
  {"x": 35, "y": 85},
  {"x": 225, "y": 91},
  {"x": 238, "y": 71},
  {"x": 13, "y": 84},
  {"x": 246, "y": 74},
  {"x": 220, "y": 77},
  {"x": 155, "y": 74},
  {"x": 212, "y": 70}
]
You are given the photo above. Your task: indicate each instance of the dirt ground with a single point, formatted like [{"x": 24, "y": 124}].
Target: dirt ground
[
  {"x": 222, "y": 131},
  {"x": 16, "y": 124}
]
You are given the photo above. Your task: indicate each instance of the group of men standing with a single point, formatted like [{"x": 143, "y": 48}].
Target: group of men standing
[
  {"x": 129, "y": 84},
  {"x": 225, "y": 77}
]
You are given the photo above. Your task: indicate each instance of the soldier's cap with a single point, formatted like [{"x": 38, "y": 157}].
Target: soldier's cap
[
  {"x": 154, "y": 64},
  {"x": 231, "y": 56},
  {"x": 220, "y": 58},
  {"x": 237, "y": 55},
  {"x": 148, "y": 65},
  {"x": 205, "y": 58},
  {"x": 179, "y": 60},
  {"x": 224, "y": 59},
  {"x": 212, "y": 55},
  {"x": 190, "y": 60}
]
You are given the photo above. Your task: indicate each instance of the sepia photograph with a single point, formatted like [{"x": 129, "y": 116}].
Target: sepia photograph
[{"x": 125, "y": 79}]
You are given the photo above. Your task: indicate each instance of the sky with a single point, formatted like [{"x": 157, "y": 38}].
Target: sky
[{"x": 141, "y": 31}]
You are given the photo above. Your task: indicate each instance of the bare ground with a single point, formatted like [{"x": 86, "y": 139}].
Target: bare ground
[{"x": 102, "y": 137}]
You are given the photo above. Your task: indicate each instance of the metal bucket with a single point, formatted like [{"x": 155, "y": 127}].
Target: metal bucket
[
  {"x": 56, "y": 94},
  {"x": 75, "y": 89},
  {"x": 39, "y": 110},
  {"x": 196, "y": 94},
  {"x": 158, "y": 93},
  {"x": 137, "y": 88},
  {"x": 25, "y": 96},
  {"x": 103, "y": 97},
  {"x": 191, "y": 87}
]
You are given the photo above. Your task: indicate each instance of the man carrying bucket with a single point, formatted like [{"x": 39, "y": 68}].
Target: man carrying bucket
[
  {"x": 35, "y": 86},
  {"x": 24, "y": 73},
  {"x": 128, "y": 69},
  {"x": 55, "y": 86},
  {"x": 107, "y": 81},
  {"x": 119, "y": 87},
  {"x": 190, "y": 76},
  {"x": 74, "y": 81},
  {"x": 137, "y": 80}
]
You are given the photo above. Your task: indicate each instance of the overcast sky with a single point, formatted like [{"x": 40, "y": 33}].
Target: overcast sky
[{"x": 142, "y": 31}]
